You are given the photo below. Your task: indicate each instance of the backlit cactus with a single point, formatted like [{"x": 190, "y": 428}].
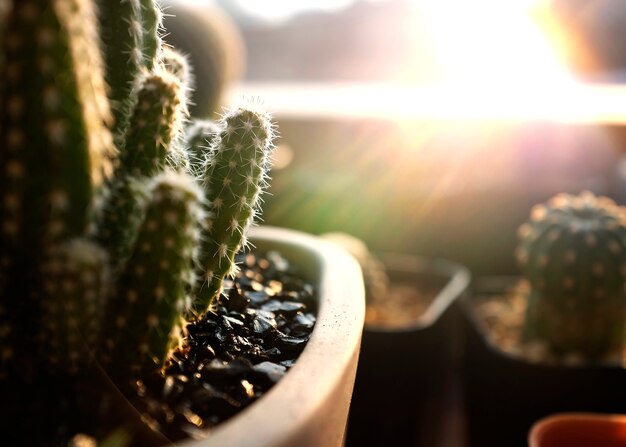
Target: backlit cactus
[
  {"x": 573, "y": 254},
  {"x": 102, "y": 218},
  {"x": 234, "y": 177},
  {"x": 199, "y": 136},
  {"x": 156, "y": 121},
  {"x": 54, "y": 151},
  {"x": 131, "y": 41},
  {"x": 145, "y": 313}
]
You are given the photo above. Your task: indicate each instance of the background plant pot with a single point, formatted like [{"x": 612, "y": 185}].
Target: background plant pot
[
  {"x": 505, "y": 395},
  {"x": 403, "y": 368},
  {"x": 579, "y": 430},
  {"x": 309, "y": 406}
]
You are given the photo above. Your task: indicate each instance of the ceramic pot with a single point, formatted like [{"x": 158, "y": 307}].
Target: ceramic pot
[{"x": 309, "y": 406}]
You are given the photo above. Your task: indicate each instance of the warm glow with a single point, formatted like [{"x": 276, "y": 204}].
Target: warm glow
[
  {"x": 496, "y": 55},
  {"x": 490, "y": 42},
  {"x": 277, "y": 10}
]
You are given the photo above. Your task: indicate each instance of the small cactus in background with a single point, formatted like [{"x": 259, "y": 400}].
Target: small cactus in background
[
  {"x": 573, "y": 254},
  {"x": 104, "y": 224}
]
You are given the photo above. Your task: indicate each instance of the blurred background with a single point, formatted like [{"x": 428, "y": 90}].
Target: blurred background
[{"x": 423, "y": 126}]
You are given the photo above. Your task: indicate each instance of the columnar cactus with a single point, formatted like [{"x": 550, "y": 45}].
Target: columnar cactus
[
  {"x": 234, "y": 177},
  {"x": 102, "y": 219},
  {"x": 54, "y": 148},
  {"x": 145, "y": 312},
  {"x": 130, "y": 33},
  {"x": 75, "y": 285},
  {"x": 155, "y": 123},
  {"x": 573, "y": 253}
]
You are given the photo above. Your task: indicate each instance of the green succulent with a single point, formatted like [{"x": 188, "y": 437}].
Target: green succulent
[
  {"x": 110, "y": 216},
  {"x": 573, "y": 254}
]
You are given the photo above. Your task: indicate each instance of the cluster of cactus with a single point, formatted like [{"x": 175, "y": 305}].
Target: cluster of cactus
[
  {"x": 119, "y": 219},
  {"x": 573, "y": 254}
]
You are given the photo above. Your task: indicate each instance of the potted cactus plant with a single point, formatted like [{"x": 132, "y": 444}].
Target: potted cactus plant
[
  {"x": 124, "y": 304},
  {"x": 553, "y": 341}
]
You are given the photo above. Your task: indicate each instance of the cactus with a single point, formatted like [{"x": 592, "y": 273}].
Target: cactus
[
  {"x": 234, "y": 178},
  {"x": 144, "y": 313},
  {"x": 54, "y": 148},
  {"x": 156, "y": 122},
  {"x": 573, "y": 254},
  {"x": 100, "y": 245},
  {"x": 130, "y": 31}
]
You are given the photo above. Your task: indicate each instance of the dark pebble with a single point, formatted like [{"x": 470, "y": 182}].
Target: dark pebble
[
  {"x": 262, "y": 324},
  {"x": 269, "y": 371},
  {"x": 257, "y": 297},
  {"x": 235, "y": 300},
  {"x": 283, "y": 307},
  {"x": 218, "y": 369},
  {"x": 291, "y": 344},
  {"x": 302, "y": 324}
]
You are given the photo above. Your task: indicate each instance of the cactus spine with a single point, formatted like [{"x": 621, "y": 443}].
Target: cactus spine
[
  {"x": 234, "y": 178},
  {"x": 573, "y": 253},
  {"x": 199, "y": 136}
]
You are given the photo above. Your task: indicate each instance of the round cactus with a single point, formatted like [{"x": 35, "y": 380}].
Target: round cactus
[{"x": 573, "y": 253}]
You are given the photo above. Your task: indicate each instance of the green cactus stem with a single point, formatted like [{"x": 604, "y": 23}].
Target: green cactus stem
[
  {"x": 75, "y": 283},
  {"x": 152, "y": 19},
  {"x": 144, "y": 312},
  {"x": 54, "y": 146},
  {"x": 52, "y": 124},
  {"x": 198, "y": 139},
  {"x": 122, "y": 35},
  {"x": 156, "y": 122},
  {"x": 573, "y": 253},
  {"x": 234, "y": 179}
]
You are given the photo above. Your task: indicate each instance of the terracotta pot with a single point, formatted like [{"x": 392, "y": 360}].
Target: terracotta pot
[
  {"x": 405, "y": 366},
  {"x": 579, "y": 430},
  {"x": 309, "y": 406}
]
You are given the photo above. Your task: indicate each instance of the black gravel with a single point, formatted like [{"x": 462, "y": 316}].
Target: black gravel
[{"x": 236, "y": 353}]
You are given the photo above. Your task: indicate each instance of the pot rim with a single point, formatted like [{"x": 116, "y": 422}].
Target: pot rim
[{"x": 331, "y": 350}]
